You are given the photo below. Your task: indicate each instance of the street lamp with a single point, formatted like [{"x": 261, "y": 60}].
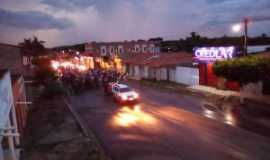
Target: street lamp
[{"x": 238, "y": 28}]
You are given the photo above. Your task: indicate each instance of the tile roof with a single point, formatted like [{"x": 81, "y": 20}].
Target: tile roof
[
  {"x": 161, "y": 60},
  {"x": 92, "y": 54},
  {"x": 9, "y": 45},
  {"x": 139, "y": 58}
]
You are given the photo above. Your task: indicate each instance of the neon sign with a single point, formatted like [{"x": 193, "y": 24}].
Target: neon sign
[{"x": 214, "y": 53}]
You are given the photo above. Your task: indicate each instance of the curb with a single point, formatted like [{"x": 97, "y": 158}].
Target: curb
[{"x": 86, "y": 131}]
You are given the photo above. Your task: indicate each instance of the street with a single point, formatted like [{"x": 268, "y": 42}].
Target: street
[{"x": 164, "y": 126}]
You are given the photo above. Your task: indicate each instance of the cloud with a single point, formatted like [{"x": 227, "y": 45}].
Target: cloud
[
  {"x": 103, "y": 5},
  {"x": 32, "y": 20},
  {"x": 75, "y": 21},
  {"x": 217, "y": 1}
]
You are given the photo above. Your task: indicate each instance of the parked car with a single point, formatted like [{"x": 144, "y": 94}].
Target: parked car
[{"x": 123, "y": 94}]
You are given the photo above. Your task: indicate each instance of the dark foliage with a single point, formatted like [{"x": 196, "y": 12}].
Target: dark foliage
[
  {"x": 33, "y": 46},
  {"x": 244, "y": 70},
  {"x": 196, "y": 40},
  {"x": 76, "y": 47}
]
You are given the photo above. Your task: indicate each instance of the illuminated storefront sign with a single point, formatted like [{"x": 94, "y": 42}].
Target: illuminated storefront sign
[{"x": 214, "y": 53}]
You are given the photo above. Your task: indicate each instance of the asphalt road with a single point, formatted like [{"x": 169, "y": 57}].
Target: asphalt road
[{"x": 165, "y": 126}]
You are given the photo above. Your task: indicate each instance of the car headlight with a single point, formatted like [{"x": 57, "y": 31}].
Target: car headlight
[
  {"x": 136, "y": 95},
  {"x": 124, "y": 97}
]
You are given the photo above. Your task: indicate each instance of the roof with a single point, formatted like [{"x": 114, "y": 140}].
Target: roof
[
  {"x": 9, "y": 45},
  {"x": 161, "y": 60},
  {"x": 92, "y": 54},
  {"x": 122, "y": 85},
  {"x": 138, "y": 58}
]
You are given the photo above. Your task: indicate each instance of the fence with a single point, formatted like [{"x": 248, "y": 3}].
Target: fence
[{"x": 187, "y": 75}]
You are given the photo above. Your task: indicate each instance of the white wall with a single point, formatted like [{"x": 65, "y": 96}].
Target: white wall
[
  {"x": 146, "y": 72},
  {"x": 163, "y": 74},
  {"x": 253, "y": 88},
  {"x": 172, "y": 72},
  {"x": 187, "y": 75},
  {"x": 136, "y": 72},
  {"x": 254, "y": 91}
]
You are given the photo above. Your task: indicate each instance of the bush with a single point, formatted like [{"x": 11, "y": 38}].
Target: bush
[{"x": 249, "y": 69}]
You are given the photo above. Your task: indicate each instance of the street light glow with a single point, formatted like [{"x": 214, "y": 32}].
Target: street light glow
[
  {"x": 127, "y": 117},
  {"x": 236, "y": 28}
]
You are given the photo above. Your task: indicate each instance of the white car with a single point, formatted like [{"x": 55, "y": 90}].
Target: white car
[{"x": 123, "y": 94}]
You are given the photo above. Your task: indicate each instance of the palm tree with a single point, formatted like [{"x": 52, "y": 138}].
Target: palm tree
[{"x": 33, "y": 46}]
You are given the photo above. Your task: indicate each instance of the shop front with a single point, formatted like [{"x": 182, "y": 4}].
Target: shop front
[{"x": 206, "y": 57}]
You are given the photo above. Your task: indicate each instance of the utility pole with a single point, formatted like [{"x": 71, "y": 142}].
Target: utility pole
[{"x": 245, "y": 36}]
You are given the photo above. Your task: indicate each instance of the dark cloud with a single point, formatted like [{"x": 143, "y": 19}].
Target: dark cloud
[
  {"x": 216, "y": 1},
  {"x": 32, "y": 20},
  {"x": 234, "y": 11},
  {"x": 68, "y": 4},
  {"x": 114, "y": 20},
  {"x": 79, "y": 4}
]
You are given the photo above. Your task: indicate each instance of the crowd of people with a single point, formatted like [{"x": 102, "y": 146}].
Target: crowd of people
[{"x": 76, "y": 81}]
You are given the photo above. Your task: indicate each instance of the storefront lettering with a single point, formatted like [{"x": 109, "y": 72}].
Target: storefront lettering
[{"x": 214, "y": 53}]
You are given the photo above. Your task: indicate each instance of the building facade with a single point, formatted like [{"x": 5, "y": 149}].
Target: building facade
[
  {"x": 123, "y": 49},
  {"x": 174, "y": 67},
  {"x": 11, "y": 58}
]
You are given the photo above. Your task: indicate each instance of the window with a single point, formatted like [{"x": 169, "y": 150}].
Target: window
[
  {"x": 111, "y": 48},
  {"x": 152, "y": 48},
  {"x": 137, "y": 48},
  {"x": 122, "y": 90},
  {"x": 103, "y": 50},
  {"x": 116, "y": 89},
  {"x": 120, "y": 49},
  {"x": 144, "y": 48}
]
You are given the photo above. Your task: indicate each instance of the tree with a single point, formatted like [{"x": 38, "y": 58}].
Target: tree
[
  {"x": 156, "y": 39},
  {"x": 33, "y": 46},
  {"x": 244, "y": 70},
  {"x": 248, "y": 69},
  {"x": 264, "y": 35}
]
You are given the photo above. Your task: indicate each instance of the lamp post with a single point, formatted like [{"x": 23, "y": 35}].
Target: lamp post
[
  {"x": 246, "y": 36},
  {"x": 238, "y": 28}
]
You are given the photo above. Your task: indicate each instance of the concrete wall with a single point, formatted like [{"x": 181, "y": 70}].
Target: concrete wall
[
  {"x": 151, "y": 74},
  {"x": 172, "y": 74},
  {"x": 187, "y": 75},
  {"x": 254, "y": 91},
  {"x": 137, "y": 72},
  {"x": 253, "y": 88},
  {"x": 163, "y": 74},
  {"x": 146, "y": 74},
  {"x": 10, "y": 57}
]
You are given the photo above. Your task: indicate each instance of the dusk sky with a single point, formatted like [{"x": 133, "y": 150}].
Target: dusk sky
[{"x": 63, "y": 22}]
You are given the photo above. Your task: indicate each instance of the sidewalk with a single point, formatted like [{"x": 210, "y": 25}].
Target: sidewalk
[
  {"x": 212, "y": 90},
  {"x": 227, "y": 93},
  {"x": 170, "y": 86},
  {"x": 52, "y": 133}
]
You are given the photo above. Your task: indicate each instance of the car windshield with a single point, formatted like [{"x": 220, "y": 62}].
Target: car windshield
[{"x": 125, "y": 89}]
